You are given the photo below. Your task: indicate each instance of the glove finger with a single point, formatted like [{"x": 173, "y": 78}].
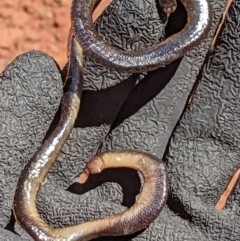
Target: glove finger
[
  {"x": 150, "y": 128},
  {"x": 204, "y": 150},
  {"x": 203, "y": 153},
  {"x": 30, "y": 93}
]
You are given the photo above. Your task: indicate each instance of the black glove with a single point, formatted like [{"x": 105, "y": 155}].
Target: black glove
[{"x": 115, "y": 113}]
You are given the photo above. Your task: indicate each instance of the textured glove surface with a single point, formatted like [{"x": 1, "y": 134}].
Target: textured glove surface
[{"x": 202, "y": 155}]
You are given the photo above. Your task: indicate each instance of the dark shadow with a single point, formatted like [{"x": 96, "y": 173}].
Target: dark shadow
[
  {"x": 128, "y": 179},
  {"x": 146, "y": 90},
  {"x": 99, "y": 107},
  {"x": 177, "y": 207},
  {"x": 176, "y": 20},
  {"x": 10, "y": 225},
  {"x": 102, "y": 107}
]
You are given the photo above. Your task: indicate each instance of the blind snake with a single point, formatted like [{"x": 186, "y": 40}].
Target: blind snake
[{"x": 83, "y": 39}]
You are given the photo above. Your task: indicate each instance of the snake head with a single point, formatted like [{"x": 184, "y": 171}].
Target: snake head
[{"x": 94, "y": 166}]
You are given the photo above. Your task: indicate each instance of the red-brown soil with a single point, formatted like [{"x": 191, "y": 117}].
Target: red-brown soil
[{"x": 35, "y": 24}]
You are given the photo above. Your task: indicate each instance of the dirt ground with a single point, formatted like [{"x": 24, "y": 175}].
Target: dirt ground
[{"x": 35, "y": 24}]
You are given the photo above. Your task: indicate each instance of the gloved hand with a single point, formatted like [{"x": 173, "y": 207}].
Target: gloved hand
[{"x": 119, "y": 112}]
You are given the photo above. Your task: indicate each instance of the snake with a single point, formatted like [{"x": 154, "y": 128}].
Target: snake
[{"x": 84, "y": 40}]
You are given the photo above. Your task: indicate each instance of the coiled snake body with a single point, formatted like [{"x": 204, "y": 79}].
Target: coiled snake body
[{"x": 83, "y": 39}]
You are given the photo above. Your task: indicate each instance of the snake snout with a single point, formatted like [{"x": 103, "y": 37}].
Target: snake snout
[{"x": 95, "y": 165}]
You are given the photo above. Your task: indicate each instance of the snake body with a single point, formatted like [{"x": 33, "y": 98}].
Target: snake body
[
  {"x": 84, "y": 40},
  {"x": 150, "y": 58},
  {"x": 149, "y": 204}
]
